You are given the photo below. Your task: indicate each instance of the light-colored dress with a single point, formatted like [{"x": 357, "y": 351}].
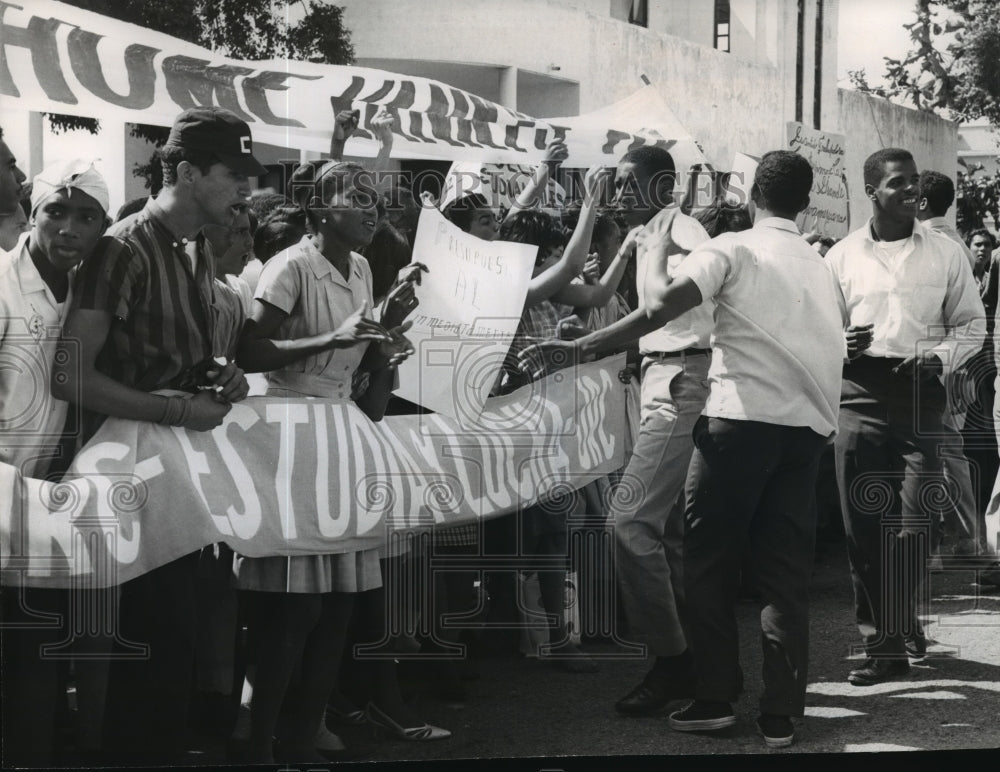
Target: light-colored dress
[{"x": 318, "y": 299}]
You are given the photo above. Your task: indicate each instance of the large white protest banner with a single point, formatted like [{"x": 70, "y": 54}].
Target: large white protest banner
[
  {"x": 827, "y": 213},
  {"x": 293, "y": 477},
  {"x": 58, "y": 58},
  {"x": 471, "y": 301}
]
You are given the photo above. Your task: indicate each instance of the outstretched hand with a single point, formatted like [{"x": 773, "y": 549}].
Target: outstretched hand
[
  {"x": 541, "y": 359},
  {"x": 358, "y": 328},
  {"x": 399, "y": 304},
  {"x": 571, "y": 328},
  {"x": 398, "y": 348}
]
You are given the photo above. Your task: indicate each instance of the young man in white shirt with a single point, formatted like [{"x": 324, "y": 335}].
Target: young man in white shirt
[
  {"x": 937, "y": 194},
  {"x": 774, "y": 383},
  {"x": 914, "y": 289},
  {"x": 69, "y": 203},
  {"x": 777, "y": 348},
  {"x": 649, "y": 528}
]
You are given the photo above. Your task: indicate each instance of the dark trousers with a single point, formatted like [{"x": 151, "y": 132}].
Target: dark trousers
[
  {"x": 753, "y": 484},
  {"x": 891, "y": 492},
  {"x": 149, "y": 697},
  {"x": 33, "y": 619}
]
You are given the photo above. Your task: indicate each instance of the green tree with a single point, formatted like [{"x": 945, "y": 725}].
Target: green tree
[
  {"x": 240, "y": 29},
  {"x": 953, "y": 69}
]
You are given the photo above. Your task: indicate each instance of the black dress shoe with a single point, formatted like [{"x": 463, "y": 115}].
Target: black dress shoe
[
  {"x": 916, "y": 647},
  {"x": 876, "y": 670},
  {"x": 649, "y": 696}
]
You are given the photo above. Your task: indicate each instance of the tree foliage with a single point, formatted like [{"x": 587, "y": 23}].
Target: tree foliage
[
  {"x": 952, "y": 68},
  {"x": 976, "y": 197},
  {"x": 239, "y": 29}
]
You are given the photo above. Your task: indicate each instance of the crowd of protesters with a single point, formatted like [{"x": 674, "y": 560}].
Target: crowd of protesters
[{"x": 767, "y": 363}]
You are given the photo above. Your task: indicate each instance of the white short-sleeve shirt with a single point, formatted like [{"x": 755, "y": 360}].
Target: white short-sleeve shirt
[
  {"x": 778, "y": 346},
  {"x": 318, "y": 299},
  {"x": 693, "y": 328}
]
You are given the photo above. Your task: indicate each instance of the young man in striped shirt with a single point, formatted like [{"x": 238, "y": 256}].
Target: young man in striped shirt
[{"x": 142, "y": 320}]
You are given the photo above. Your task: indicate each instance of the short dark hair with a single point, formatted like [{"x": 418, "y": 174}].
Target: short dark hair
[
  {"x": 653, "y": 160},
  {"x": 939, "y": 191},
  {"x": 782, "y": 182},
  {"x": 460, "y": 211},
  {"x": 532, "y": 226},
  {"x": 262, "y": 203},
  {"x": 171, "y": 157},
  {"x": 876, "y": 162},
  {"x": 604, "y": 225},
  {"x": 131, "y": 207},
  {"x": 282, "y": 228},
  {"x": 721, "y": 217},
  {"x": 986, "y": 233}
]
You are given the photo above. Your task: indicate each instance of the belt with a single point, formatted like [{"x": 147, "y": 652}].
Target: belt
[
  {"x": 683, "y": 352},
  {"x": 874, "y": 363},
  {"x": 310, "y": 385}
]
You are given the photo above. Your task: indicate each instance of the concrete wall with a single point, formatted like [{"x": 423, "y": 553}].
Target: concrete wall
[
  {"x": 870, "y": 123},
  {"x": 730, "y": 102}
]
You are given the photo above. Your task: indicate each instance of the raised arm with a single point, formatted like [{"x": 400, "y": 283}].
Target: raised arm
[
  {"x": 563, "y": 271},
  {"x": 343, "y": 127},
  {"x": 595, "y": 295},
  {"x": 382, "y": 125},
  {"x": 555, "y": 154}
]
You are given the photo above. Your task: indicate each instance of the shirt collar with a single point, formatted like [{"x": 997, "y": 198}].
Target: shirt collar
[
  {"x": 27, "y": 274},
  {"x": 158, "y": 215},
  {"x": 321, "y": 267},
  {"x": 919, "y": 230},
  {"x": 780, "y": 223}
]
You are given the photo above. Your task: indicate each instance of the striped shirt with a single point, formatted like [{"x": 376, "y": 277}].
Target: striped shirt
[{"x": 163, "y": 322}]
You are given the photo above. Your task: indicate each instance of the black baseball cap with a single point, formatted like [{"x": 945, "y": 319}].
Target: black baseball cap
[{"x": 220, "y": 132}]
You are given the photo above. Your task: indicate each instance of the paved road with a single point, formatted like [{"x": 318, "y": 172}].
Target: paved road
[
  {"x": 543, "y": 718},
  {"x": 524, "y": 708}
]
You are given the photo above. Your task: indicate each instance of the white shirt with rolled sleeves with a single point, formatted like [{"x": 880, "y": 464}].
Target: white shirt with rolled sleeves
[
  {"x": 925, "y": 300},
  {"x": 778, "y": 346},
  {"x": 692, "y": 329},
  {"x": 31, "y": 419}
]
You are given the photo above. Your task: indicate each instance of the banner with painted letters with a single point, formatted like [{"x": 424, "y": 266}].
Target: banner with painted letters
[
  {"x": 294, "y": 477},
  {"x": 471, "y": 299},
  {"x": 61, "y": 59},
  {"x": 499, "y": 184}
]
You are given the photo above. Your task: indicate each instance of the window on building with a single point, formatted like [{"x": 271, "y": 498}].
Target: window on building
[
  {"x": 722, "y": 36},
  {"x": 639, "y": 13}
]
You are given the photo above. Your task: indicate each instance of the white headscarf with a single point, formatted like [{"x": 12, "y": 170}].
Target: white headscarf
[{"x": 77, "y": 174}]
